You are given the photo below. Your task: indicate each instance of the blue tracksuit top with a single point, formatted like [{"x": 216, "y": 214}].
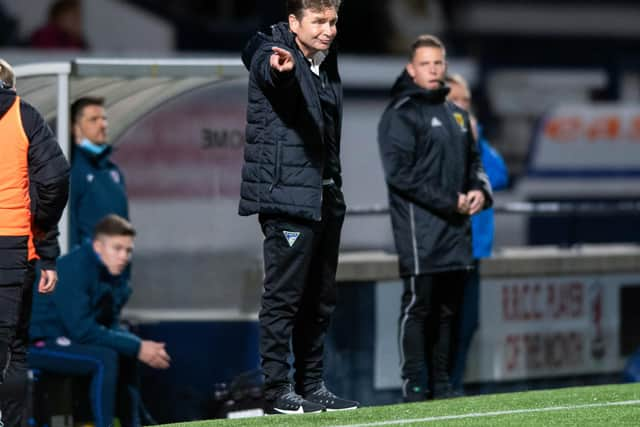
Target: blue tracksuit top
[
  {"x": 85, "y": 306},
  {"x": 482, "y": 223},
  {"x": 97, "y": 189}
]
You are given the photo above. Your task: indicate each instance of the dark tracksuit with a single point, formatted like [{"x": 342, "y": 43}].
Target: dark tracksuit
[
  {"x": 291, "y": 178},
  {"x": 75, "y": 331},
  {"x": 97, "y": 190},
  {"x": 34, "y": 185},
  {"x": 429, "y": 157}
]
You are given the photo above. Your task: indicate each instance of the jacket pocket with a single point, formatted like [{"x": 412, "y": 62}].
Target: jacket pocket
[{"x": 277, "y": 169}]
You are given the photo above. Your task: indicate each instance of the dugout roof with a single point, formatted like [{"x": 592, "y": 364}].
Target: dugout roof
[{"x": 131, "y": 88}]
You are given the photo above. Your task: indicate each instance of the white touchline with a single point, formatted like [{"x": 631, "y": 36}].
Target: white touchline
[{"x": 495, "y": 414}]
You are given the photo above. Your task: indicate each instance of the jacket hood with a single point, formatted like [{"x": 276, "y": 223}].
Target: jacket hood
[
  {"x": 279, "y": 34},
  {"x": 276, "y": 34},
  {"x": 405, "y": 86},
  {"x": 7, "y": 98}
]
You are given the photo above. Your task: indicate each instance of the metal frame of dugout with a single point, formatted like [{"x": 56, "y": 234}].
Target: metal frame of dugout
[{"x": 132, "y": 88}]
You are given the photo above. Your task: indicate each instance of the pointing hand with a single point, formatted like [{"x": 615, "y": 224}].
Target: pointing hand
[{"x": 281, "y": 60}]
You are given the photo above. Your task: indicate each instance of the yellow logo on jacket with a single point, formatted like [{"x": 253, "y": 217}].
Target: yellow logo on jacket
[{"x": 460, "y": 119}]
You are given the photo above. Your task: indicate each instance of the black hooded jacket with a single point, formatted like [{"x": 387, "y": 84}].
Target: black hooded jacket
[
  {"x": 48, "y": 176},
  {"x": 284, "y": 152},
  {"x": 429, "y": 158}
]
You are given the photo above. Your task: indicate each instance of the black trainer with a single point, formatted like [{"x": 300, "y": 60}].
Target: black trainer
[
  {"x": 290, "y": 402},
  {"x": 413, "y": 394},
  {"x": 445, "y": 392},
  {"x": 330, "y": 401},
  {"x": 145, "y": 417}
]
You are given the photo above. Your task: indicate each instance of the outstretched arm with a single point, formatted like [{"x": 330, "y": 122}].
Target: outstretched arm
[{"x": 274, "y": 67}]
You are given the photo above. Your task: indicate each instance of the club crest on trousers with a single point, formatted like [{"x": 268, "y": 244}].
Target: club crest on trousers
[{"x": 291, "y": 237}]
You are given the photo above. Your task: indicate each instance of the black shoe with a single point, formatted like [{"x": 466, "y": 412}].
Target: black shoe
[
  {"x": 290, "y": 402},
  {"x": 330, "y": 401},
  {"x": 145, "y": 417},
  {"x": 446, "y": 392},
  {"x": 412, "y": 394}
]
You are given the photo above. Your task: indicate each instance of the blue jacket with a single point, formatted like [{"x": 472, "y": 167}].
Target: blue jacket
[
  {"x": 97, "y": 189},
  {"x": 85, "y": 306},
  {"x": 482, "y": 223}
]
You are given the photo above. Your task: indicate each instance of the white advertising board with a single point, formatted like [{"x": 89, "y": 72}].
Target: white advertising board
[
  {"x": 588, "y": 139},
  {"x": 549, "y": 326},
  {"x": 530, "y": 327}
]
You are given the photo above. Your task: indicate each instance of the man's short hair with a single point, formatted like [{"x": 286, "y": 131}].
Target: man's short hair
[
  {"x": 113, "y": 225},
  {"x": 297, "y": 7},
  {"x": 77, "y": 108},
  {"x": 425, "y": 40},
  {"x": 7, "y": 76}
]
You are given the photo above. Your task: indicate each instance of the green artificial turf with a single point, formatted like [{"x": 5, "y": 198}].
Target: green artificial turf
[{"x": 615, "y": 405}]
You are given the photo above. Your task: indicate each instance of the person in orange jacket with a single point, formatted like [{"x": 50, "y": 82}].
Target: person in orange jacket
[{"x": 34, "y": 187}]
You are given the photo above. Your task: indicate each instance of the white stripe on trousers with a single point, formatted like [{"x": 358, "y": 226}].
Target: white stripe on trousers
[{"x": 403, "y": 326}]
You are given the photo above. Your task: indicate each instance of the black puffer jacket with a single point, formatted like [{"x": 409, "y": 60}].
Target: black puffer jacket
[
  {"x": 48, "y": 188},
  {"x": 429, "y": 157},
  {"x": 284, "y": 152}
]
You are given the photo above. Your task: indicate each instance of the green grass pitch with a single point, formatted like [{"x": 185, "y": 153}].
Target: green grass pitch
[{"x": 615, "y": 405}]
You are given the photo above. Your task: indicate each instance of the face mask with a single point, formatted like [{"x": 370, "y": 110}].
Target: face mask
[{"x": 93, "y": 148}]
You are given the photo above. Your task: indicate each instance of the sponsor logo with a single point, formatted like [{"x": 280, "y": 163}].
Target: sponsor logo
[{"x": 291, "y": 237}]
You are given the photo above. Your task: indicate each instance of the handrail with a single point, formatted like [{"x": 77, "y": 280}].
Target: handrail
[{"x": 548, "y": 208}]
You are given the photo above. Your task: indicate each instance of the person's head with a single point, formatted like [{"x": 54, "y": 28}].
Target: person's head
[
  {"x": 113, "y": 242},
  {"x": 7, "y": 76},
  {"x": 89, "y": 120},
  {"x": 460, "y": 95},
  {"x": 459, "y": 92},
  {"x": 67, "y": 15},
  {"x": 427, "y": 64},
  {"x": 314, "y": 23}
]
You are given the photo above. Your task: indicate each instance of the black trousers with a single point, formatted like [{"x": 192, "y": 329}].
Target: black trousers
[
  {"x": 300, "y": 261},
  {"x": 427, "y": 326},
  {"x": 15, "y": 313}
]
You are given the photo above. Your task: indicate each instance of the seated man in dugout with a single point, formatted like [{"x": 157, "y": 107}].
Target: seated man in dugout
[{"x": 76, "y": 329}]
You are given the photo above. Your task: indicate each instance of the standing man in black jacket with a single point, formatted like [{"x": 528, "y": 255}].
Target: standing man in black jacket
[
  {"x": 34, "y": 186},
  {"x": 435, "y": 182},
  {"x": 291, "y": 178}
]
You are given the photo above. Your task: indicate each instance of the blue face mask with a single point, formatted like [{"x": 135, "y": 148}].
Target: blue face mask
[{"x": 93, "y": 148}]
